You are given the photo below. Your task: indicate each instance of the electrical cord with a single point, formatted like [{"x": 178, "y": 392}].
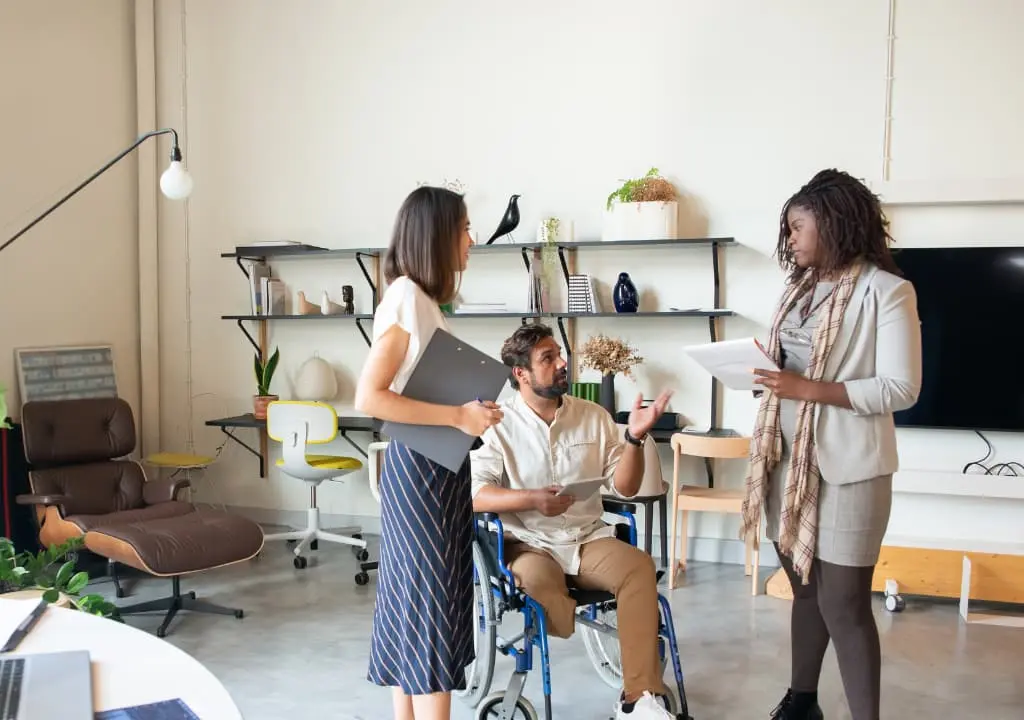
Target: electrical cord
[{"x": 1004, "y": 468}]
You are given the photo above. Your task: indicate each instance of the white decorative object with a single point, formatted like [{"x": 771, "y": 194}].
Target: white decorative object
[
  {"x": 316, "y": 381},
  {"x": 656, "y": 220},
  {"x": 329, "y": 307}
]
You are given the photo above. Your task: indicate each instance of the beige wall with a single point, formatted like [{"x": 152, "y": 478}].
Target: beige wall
[{"x": 68, "y": 88}]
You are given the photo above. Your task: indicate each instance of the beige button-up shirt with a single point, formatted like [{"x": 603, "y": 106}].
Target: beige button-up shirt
[{"x": 522, "y": 452}]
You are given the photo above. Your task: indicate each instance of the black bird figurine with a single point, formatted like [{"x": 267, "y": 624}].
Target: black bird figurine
[{"x": 510, "y": 222}]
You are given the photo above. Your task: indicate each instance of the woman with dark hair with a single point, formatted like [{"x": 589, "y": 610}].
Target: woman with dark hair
[
  {"x": 423, "y": 620},
  {"x": 847, "y": 338}
]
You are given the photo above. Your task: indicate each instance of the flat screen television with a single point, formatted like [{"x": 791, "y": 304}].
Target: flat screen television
[{"x": 971, "y": 303}]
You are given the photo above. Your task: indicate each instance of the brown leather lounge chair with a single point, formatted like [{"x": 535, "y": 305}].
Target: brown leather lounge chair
[{"x": 82, "y": 484}]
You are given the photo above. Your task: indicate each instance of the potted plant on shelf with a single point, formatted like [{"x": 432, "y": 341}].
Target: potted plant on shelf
[
  {"x": 609, "y": 356},
  {"x": 264, "y": 375},
  {"x": 645, "y": 208},
  {"x": 56, "y": 582}
]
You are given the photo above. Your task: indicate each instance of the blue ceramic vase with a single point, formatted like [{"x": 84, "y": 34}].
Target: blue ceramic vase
[{"x": 625, "y": 296}]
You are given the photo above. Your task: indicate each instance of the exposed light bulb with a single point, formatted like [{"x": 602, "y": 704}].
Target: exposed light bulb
[{"x": 176, "y": 183}]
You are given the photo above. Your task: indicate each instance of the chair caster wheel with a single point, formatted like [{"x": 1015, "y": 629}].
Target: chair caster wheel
[
  {"x": 313, "y": 545},
  {"x": 239, "y": 614},
  {"x": 362, "y": 578},
  {"x": 357, "y": 536},
  {"x": 362, "y": 555},
  {"x": 299, "y": 563},
  {"x": 160, "y": 632},
  {"x": 895, "y": 603}
]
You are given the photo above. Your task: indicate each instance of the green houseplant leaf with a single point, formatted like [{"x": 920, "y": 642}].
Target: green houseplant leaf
[{"x": 265, "y": 373}]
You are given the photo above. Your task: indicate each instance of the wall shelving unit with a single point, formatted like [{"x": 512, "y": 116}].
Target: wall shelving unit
[{"x": 368, "y": 261}]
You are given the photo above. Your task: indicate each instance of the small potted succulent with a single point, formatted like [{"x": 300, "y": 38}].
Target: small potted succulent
[{"x": 264, "y": 375}]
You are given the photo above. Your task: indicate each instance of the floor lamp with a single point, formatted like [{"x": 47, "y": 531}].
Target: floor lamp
[{"x": 175, "y": 183}]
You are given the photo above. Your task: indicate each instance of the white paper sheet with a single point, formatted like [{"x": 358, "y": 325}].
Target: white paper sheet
[{"x": 733, "y": 361}]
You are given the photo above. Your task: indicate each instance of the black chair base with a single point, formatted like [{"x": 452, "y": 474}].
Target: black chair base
[{"x": 177, "y": 601}]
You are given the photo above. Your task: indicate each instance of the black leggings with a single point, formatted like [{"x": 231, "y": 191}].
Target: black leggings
[{"x": 836, "y": 604}]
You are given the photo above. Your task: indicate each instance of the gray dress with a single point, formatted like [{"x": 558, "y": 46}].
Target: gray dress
[{"x": 852, "y": 518}]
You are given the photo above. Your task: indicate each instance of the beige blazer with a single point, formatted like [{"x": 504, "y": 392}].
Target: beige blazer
[{"x": 877, "y": 355}]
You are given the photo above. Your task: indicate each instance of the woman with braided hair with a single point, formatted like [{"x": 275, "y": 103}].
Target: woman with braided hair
[{"x": 847, "y": 338}]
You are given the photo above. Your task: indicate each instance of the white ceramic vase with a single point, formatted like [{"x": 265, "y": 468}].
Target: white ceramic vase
[{"x": 641, "y": 221}]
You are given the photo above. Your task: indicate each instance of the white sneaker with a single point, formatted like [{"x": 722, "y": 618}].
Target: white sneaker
[{"x": 647, "y": 707}]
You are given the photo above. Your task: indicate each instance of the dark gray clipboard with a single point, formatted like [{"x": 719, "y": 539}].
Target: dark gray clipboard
[{"x": 449, "y": 372}]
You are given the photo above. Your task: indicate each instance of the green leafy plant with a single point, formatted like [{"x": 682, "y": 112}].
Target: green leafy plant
[
  {"x": 265, "y": 373},
  {"x": 45, "y": 571},
  {"x": 652, "y": 187}
]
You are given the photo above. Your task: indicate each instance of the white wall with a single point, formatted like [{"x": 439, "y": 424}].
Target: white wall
[
  {"x": 67, "y": 79},
  {"x": 312, "y": 125}
]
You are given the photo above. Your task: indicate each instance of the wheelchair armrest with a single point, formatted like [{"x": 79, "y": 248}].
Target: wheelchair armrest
[{"x": 619, "y": 507}]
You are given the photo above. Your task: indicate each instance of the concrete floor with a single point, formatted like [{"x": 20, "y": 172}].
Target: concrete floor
[{"x": 301, "y": 650}]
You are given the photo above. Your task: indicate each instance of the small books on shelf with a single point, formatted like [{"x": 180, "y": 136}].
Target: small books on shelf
[
  {"x": 582, "y": 295},
  {"x": 268, "y": 294}
]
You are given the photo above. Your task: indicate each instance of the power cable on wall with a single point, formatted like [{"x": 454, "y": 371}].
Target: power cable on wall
[{"x": 1005, "y": 468}]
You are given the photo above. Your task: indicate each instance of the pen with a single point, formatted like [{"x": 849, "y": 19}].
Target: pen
[{"x": 26, "y": 625}]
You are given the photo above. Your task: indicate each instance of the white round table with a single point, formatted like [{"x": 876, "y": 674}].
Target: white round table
[{"x": 129, "y": 666}]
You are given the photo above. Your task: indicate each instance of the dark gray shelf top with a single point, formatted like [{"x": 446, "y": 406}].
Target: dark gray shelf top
[
  {"x": 286, "y": 252},
  {"x": 337, "y": 316},
  {"x": 307, "y": 251},
  {"x": 676, "y": 243},
  {"x": 474, "y": 316}
]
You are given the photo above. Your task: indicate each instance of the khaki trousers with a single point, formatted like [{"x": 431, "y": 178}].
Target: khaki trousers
[{"x": 613, "y": 566}]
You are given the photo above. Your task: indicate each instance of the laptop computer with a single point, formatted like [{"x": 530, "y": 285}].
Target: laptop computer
[{"x": 46, "y": 685}]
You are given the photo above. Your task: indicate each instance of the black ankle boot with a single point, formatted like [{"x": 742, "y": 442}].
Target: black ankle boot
[{"x": 798, "y": 706}]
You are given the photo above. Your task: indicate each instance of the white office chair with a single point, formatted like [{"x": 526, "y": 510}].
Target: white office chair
[{"x": 296, "y": 424}]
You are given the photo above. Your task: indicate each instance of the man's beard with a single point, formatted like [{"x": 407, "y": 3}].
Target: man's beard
[{"x": 556, "y": 390}]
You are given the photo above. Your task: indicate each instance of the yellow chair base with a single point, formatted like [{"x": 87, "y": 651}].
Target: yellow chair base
[
  {"x": 178, "y": 460},
  {"x": 330, "y": 462}
]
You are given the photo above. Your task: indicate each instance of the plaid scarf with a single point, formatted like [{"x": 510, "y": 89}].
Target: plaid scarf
[{"x": 799, "y": 522}]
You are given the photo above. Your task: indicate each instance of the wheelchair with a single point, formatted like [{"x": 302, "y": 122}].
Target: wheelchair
[{"x": 495, "y": 593}]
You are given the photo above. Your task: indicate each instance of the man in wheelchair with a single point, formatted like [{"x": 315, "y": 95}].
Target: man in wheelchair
[{"x": 549, "y": 439}]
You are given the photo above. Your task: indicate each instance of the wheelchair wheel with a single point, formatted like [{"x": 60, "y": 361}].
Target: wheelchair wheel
[
  {"x": 480, "y": 673},
  {"x": 604, "y": 651},
  {"x": 490, "y": 709}
]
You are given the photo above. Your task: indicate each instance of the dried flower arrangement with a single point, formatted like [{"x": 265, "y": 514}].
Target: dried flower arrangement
[
  {"x": 652, "y": 187},
  {"x": 609, "y": 356}
]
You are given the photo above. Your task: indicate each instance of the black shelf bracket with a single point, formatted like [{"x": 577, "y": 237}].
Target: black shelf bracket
[
  {"x": 366, "y": 274},
  {"x": 238, "y": 262},
  {"x": 565, "y": 345},
  {"x": 353, "y": 443},
  {"x": 526, "y": 258},
  {"x": 252, "y": 340},
  {"x": 565, "y": 265},
  {"x": 263, "y": 469},
  {"x": 362, "y": 331}
]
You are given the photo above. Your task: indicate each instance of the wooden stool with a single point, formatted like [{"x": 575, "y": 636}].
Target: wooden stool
[{"x": 690, "y": 498}]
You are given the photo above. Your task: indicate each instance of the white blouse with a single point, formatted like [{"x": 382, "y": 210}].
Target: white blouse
[{"x": 406, "y": 304}]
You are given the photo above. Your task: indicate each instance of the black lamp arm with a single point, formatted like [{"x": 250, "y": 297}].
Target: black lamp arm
[{"x": 175, "y": 156}]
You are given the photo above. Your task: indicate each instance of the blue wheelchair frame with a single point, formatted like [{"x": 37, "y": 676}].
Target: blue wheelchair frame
[{"x": 509, "y": 597}]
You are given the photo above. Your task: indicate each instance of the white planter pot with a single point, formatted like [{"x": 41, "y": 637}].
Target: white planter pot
[{"x": 641, "y": 221}]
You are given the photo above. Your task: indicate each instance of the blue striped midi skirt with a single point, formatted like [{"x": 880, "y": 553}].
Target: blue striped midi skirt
[{"x": 423, "y": 619}]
